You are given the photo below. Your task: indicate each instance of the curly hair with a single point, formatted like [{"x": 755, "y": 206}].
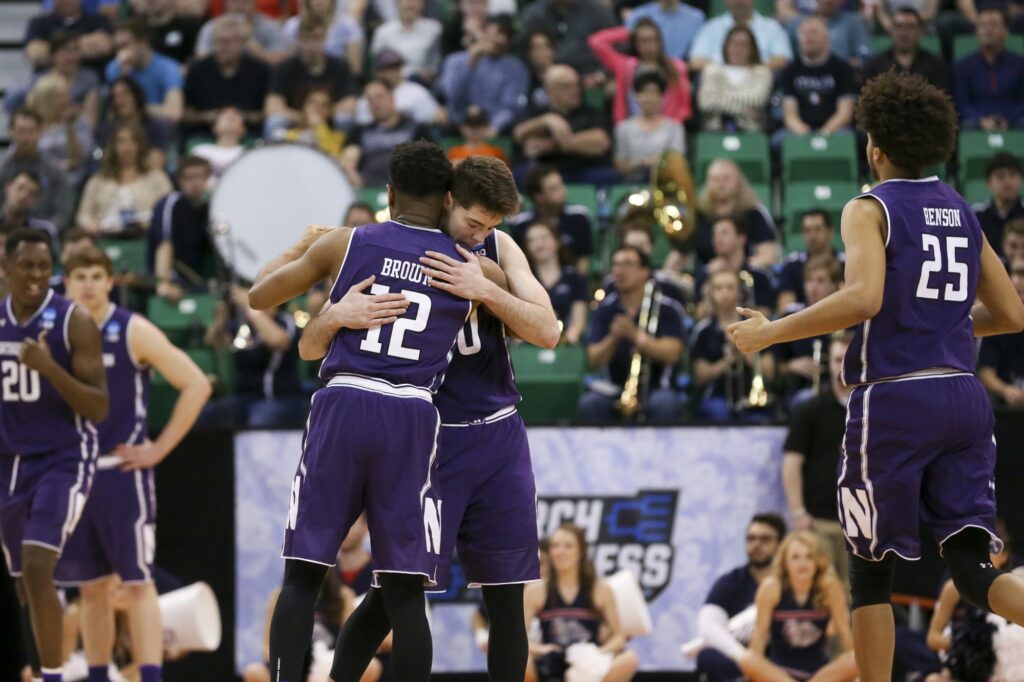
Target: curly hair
[
  {"x": 487, "y": 182},
  {"x": 420, "y": 169},
  {"x": 909, "y": 119}
]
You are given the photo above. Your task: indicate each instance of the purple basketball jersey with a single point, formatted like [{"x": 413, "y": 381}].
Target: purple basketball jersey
[
  {"x": 127, "y": 383},
  {"x": 479, "y": 381},
  {"x": 933, "y": 260},
  {"x": 35, "y": 419},
  {"x": 416, "y": 349}
]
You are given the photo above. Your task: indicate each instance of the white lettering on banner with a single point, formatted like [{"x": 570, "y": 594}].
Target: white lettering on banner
[
  {"x": 432, "y": 525},
  {"x": 584, "y": 513},
  {"x": 857, "y": 512}
]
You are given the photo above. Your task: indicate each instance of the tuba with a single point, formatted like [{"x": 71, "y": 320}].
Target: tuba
[
  {"x": 667, "y": 203},
  {"x": 758, "y": 396},
  {"x": 639, "y": 370}
]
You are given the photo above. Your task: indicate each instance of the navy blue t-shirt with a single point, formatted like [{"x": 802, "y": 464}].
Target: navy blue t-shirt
[
  {"x": 570, "y": 288},
  {"x": 670, "y": 324},
  {"x": 733, "y": 591},
  {"x": 573, "y": 229}
]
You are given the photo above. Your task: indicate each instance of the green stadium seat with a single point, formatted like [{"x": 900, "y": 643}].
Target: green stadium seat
[
  {"x": 977, "y": 146},
  {"x": 128, "y": 255},
  {"x": 584, "y": 195},
  {"x": 817, "y": 158},
  {"x": 975, "y": 191},
  {"x": 968, "y": 44},
  {"x": 374, "y": 196},
  {"x": 551, "y": 381},
  {"x": 185, "y": 322},
  {"x": 763, "y": 190},
  {"x": 765, "y": 7},
  {"x": 882, "y": 43},
  {"x": 748, "y": 150},
  {"x": 803, "y": 196}
]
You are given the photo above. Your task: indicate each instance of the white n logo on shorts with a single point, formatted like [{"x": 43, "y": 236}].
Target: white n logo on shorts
[
  {"x": 432, "y": 525},
  {"x": 293, "y": 506},
  {"x": 857, "y": 513}
]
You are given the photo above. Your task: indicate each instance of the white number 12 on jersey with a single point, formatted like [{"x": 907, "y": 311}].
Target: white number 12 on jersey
[
  {"x": 931, "y": 243},
  {"x": 416, "y": 324}
]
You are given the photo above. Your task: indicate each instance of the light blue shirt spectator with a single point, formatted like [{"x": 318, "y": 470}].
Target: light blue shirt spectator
[
  {"x": 495, "y": 84},
  {"x": 772, "y": 40},
  {"x": 159, "y": 77},
  {"x": 679, "y": 24}
]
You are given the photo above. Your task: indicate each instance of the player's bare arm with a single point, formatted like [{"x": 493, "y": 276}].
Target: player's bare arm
[
  {"x": 85, "y": 387},
  {"x": 999, "y": 310},
  {"x": 864, "y": 229},
  {"x": 151, "y": 347},
  {"x": 316, "y": 255}
]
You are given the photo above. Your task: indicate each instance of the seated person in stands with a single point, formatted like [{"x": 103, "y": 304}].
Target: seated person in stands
[
  {"x": 67, "y": 133},
  {"x": 265, "y": 349},
  {"x": 126, "y": 104},
  {"x": 475, "y": 129},
  {"x": 798, "y": 604},
  {"x": 1013, "y": 240},
  {"x": 179, "y": 244},
  {"x": 119, "y": 198},
  {"x": 641, "y": 139},
  {"x": 730, "y": 235},
  {"x": 1003, "y": 175},
  {"x": 94, "y": 28},
  {"x": 227, "y": 147},
  {"x": 159, "y": 75},
  {"x": 988, "y": 86},
  {"x": 551, "y": 264},
  {"x": 55, "y": 197},
  {"x": 722, "y": 374},
  {"x": 315, "y": 126},
  {"x": 1001, "y": 360},
  {"x": 906, "y": 53},
  {"x": 411, "y": 98},
  {"x": 546, "y": 190},
  {"x": 574, "y": 607},
  {"x": 21, "y": 197},
  {"x": 734, "y": 95},
  {"x": 614, "y": 338},
  {"x": 733, "y": 593},
  {"x": 818, "y": 231},
  {"x": 636, "y": 232}
]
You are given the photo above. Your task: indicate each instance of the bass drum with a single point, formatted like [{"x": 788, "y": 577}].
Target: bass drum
[{"x": 265, "y": 200}]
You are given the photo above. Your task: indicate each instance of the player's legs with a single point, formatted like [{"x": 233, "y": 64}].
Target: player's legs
[
  {"x": 360, "y": 637},
  {"x": 412, "y": 648},
  {"x": 37, "y": 566},
  {"x": 291, "y": 627},
  {"x": 508, "y": 646},
  {"x": 97, "y": 617},
  {"x": 146, "y": 630}
]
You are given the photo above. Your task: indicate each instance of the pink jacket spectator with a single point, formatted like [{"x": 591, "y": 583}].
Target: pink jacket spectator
[{"x": 676, "y": 103}]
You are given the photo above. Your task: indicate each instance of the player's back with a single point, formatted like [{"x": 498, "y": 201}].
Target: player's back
[
  {"x": 479, "y": 382},
  {"x": 933, "y": 261},
  {"x": 127, "y": 384},
  {"x": 35, "y": 419},
  {"x": 416, "y": 349}
]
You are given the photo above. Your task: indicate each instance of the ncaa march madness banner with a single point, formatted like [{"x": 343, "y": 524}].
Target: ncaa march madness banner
[{"x": 669, "y": 504}]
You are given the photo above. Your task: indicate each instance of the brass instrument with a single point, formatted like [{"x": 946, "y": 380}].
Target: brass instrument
[
  {"x": 640, "y": 371},
  {"x": 816, "y": 357},
  {"x": 758, "y": 396},
  {"x": 667, "y": 204}
]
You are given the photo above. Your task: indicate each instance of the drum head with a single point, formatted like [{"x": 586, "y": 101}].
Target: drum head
[{"x": 264, "y": 201}]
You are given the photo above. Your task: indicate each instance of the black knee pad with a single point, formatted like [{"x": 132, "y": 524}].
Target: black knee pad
[
  {"x": 870, "y": 581},
  {"x": 303, "y": 576},
  {"x": 967, "y": 556}
]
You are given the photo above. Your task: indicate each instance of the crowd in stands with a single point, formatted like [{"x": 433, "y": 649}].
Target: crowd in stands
[{"x": 136, "y": 108}]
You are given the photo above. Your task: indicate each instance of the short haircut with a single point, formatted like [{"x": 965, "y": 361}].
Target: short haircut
[
  {"x": 828, "y": 265},
  {"x": 88, "y": 257},
  {"x": 738, "y": 220},
  {"x": 378, "y": 81},
  {"x": 907, "y": 9},
  {"x": 193, "y": 161},
  {"x": 487, "y": 182},
  {"x": 28, "y": 173},
  {"x": 645, "y": 260},
  {"x": 61, "y": 38},
  {"x": 1015, "y": 227},
  {"x": 505, "y": 22},
  {"x": 76, "y": 234},
  {"x": 138, "y": 29},
  {"x": 995, "y": 9},
  {"x": 28, "y": 112},
  {"x": 777, "y": 523},
  {"x": 534, "y": 180},
  {"x": 810, "y": 213},
  {"x": 28, "y": 235},
  {"x": 645, "y": 78},
  {"x": 909, "y": 119},
  {"x": 1002, "y": 161},
  {"x": 310, "y": 23},
  {"x": 358, "y": 206},
  {"x": 420, "y": 169}
]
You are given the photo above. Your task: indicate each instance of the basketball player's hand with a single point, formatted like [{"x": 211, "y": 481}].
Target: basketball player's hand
[
  {"x": 752, "y": 334},
  {"x": 142, "y": 456},
  {"x": 463, "y": 279},
  {"x": 35, "y": 353},
  {"x": 359, "y": 310}
]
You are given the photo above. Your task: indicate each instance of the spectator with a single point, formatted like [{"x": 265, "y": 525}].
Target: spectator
[
  {"x": 24, "y": 155},
  {"x": 159, "y": 76},
  {"x": 67, "y": 136},
  {"x": 272, "y": 9},
  {"x": 21, "y": 197},
  {"x": 614, "y": 338},
  {"x": 265, "y": 41},
  {"x": 848, "y": 34},
  {"x": 723, "y": 376},
  {"x": 1001, "y": 360},
  {"x": 962, "y": 19},
  {"x": 119, "y": 197},
  {"x": 818, "y": 232},
  {"x": 546, "y": 191},
  {"x": 772, "y": 40},
  {"x": 811, "y": 459},
  {"x": 266, "y": 355},
  {"x": 94, "y": 29},
  {"x": 368, "y": 149},
  {"x": 1003, "y": 177},
  {"x": 1013, "y": 240},
  {"x": 465, "y": 27},
  {"x": 677, "y": 21},
  {"x": 733, "y": 593},
  {"x": 413, "y": 36},
  {"x": 819, "y": 88},
  {"x": 171, "y": 31},
  {"x": 989, "y": 85},
  {"x": 540, "y": 56},
  {"x": 227, "y": 78},
  {"x": 733, "y": 95},
  {"x": 906, "y": 54},
  {"x": 647, "y": 53},
  {"x": 568, "y": 134},
  {"x": 641, "y": 139},
  {"x": 229, "y": 129},
  {"x": 314, "y": 128},
  {"x": 127, "y": 105},
  {"x": 639, "y": 235},
  {"x": 551, "y": 264},
  {"x": 179, "y": 244},
  {"x": 729, "y": 237},
  {"x": 411, "y": 98},
  {"x": 487, "y": 76},
  {"x": 570, "y": 23},
  {"x": 475, "y": 129},
  {"x": 885, "y": 11},
  {"x": 798, "y": 604},
  {"x": 309, "y": 69},
  {"x": 66, "y": 57},
  {"x": 107, "y": 8},
  {"x": 344, "y": 34}
]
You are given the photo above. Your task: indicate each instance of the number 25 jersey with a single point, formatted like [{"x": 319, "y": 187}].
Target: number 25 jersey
[{"x": 932, "y": 264}]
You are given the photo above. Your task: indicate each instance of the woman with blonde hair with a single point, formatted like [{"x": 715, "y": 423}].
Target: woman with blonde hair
[
  {"x": 67, "y": 135},
  {"x": 797, "y": 604}
]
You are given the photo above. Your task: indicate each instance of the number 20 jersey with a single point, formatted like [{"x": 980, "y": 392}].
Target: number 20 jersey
[
  {"x": 932, "y": 264},
  {"x": 417, "y": 348},
  {"x": 34, "y": 418}
]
